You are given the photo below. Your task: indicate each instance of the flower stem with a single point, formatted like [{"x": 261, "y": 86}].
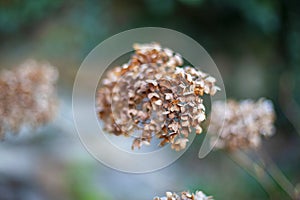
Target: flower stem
[
  {"x": 265, "y": 171},
  {"x": 274, "y": 171},
  {"x": 254, "y": 169}
]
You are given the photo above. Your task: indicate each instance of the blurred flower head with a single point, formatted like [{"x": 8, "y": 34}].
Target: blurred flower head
[
  {"x": 185, "y": 196},
  {"x": 28, "y": 96},
  {"x": 154, "y": 95},
  {"x": 245, "y": 123}
]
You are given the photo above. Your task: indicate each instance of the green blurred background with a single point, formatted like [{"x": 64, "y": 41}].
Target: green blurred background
[{"x": 255, "y": 44}]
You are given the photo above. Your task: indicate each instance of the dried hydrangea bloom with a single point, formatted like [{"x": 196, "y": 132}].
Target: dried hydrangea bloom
[
  {"x": 153, "y": 95},
  {"x": 185, "y": 196},
  {"x": 245, "y": 123},
  {"x": 27, "y": 97}
]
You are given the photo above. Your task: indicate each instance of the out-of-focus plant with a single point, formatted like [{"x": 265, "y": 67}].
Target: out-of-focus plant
[
  {"x": 246, "y": 122},
  {"x": 81, "y": 183},
  {"x": 198, "y": 195},
  {"x": 15, "y": 15},
  {"x": 28, "y": 96}
]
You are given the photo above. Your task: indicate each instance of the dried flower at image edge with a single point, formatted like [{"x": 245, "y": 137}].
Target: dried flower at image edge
[
  {"x": 185, "y": 196},
  {"x": 28, "y": 96},
  {"x": 153, "y": 95},
  {"x": 245, "y": 123}
]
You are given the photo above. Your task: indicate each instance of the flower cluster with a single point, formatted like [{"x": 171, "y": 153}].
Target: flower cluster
[
  {"x": 153, "y": 95},
  {"x": 27, "y": 96},
  {"x": 185, "y": 196},
  {"x": 245, "y": 123}
]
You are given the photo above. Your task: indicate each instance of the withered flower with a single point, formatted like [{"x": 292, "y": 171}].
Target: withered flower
[
  {"x": 185, "y": 196},
  {"x": 245, "y": 123},
  {"x": 153, "y": 95},
  {"x": 28, "y": 96}
]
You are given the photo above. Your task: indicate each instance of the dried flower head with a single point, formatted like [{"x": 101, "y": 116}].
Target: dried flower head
[
  {"x": 27, "y": 96},
  {"x": 245, "y": 123},
  {"x": 185, "y": 196},
  {"x": 152, "y": 95}
]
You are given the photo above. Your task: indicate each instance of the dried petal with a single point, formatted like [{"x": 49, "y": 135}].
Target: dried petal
[{"x": 156, "y": 95}]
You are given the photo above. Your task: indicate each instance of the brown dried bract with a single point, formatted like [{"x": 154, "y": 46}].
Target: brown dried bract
[
  {"x": 245, "y": 123},
  {"x": 185, "y": 196},
  {"x": 153, "y": 95},
  {"x": 28, "y": 96}
]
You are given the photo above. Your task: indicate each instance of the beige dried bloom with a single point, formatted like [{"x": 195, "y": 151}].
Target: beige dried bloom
[
  {"x": 27, "y": 97},
  {"x": 152, "y": 95},
  {"x": 245, "y": 123},
  {"x": 185, "y": 196}
]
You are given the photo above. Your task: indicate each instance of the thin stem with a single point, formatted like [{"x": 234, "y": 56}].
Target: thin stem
[
  {"x": 252, "y": 168},
  {"x": 276, "y": 173}
]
